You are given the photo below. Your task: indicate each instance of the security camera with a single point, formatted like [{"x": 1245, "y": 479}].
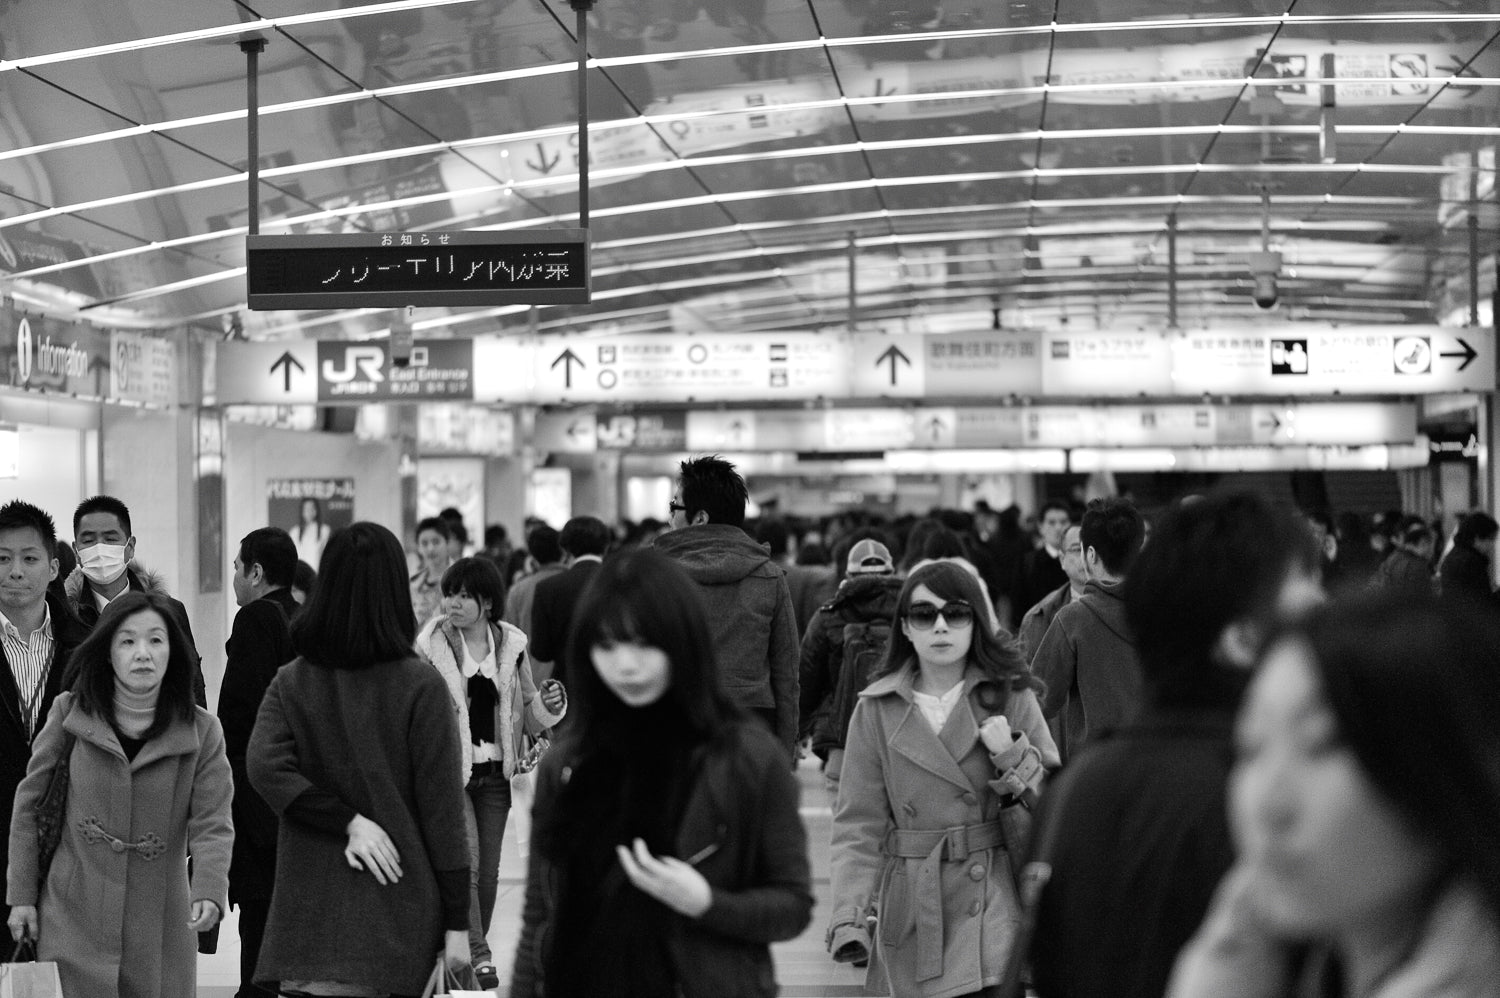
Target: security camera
[{"x": 1264, "y": 266}]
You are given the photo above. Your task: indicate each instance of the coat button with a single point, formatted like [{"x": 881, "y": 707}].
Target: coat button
[
  {"x": 975, "y": 908},
  {"x": 971, "y": 798},
  {"x": 976, "y": 872}
]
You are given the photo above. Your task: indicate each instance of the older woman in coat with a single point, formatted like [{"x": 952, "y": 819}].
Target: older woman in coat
[
  {"x": 948, "y": 737},
  {"x": 149, "y": 785}
]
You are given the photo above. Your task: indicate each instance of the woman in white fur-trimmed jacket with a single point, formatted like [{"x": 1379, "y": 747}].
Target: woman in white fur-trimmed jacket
[{"x": 484, "y": 662}]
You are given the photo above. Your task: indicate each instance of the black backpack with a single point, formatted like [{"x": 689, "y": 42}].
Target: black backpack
[{"x": 863, "y": 650}]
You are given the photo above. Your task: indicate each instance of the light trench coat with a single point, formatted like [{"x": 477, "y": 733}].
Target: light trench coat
[
  {"x": 946, "y": 919},
  {"x": 117, "y": 921}
]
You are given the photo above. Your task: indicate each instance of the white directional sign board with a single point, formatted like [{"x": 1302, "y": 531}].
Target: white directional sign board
[
  {"x": 948, "y": 365},
  {"x": 277, "y": 372},
  {"x": 708, "y": 368}
]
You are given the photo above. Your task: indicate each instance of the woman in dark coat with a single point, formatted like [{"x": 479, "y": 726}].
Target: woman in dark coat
[
  {"x": 667, "y": 852},
  {"x": 1465, "y": 571},
  {"x": 356, "y": 749},
  {"x": 149, "y": 784}
]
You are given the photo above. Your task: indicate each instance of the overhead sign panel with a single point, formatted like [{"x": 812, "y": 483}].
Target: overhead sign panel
[
  {"x": 396, "y": 269},
  {"x": 952, "y": 365},
  {"x": 1105, "y": 363},
  {"x": 654, "y": 368},
  {"x": 1348, "y": 360}
]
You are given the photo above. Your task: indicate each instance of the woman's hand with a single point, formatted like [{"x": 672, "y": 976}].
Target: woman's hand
[
  {"x": 205, "y": 916},
  {"x": 23, "y": 922},
  {"x": 995, "y": 733},
  {"x": 456, "y": 951},
  {"x": 371, "y": 849},
  {"x": 668, "y": 879},
  {"x": 553, "y": 696}
]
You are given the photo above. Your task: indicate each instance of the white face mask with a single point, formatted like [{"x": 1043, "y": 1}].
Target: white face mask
[{"x": 102, "y": 563}]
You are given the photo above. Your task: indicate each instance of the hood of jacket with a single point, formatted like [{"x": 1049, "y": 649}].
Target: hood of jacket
[
  {"x": 716, "y": 553},
  {"x": 141, "y": 579},
  {"x": 1106, "y": 604},
  {"x": 867, "y": 597}
]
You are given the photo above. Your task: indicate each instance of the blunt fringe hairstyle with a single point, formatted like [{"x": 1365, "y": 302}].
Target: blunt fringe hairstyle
[
  {"x": 1209, "y": 563},
  {"x": 1114, "y": 529},
  {"x": 642, "y": 596},
  {"x": 1377, "y": 655},
  {"x": 91, "y": 672},
  {"x": 103, "y": 504},
  {"x": 19, "y": 514},
  {"x": 360, "y": 613},
  {"x": 274, "y": 551},
  {"x": 712, "y": 485},
  {"x": 479, "y": 578},
  {"x": 997, "y": 655}
]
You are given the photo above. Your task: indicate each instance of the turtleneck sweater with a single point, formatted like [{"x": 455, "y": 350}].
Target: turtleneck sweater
[{"x": 134, "y": 712}]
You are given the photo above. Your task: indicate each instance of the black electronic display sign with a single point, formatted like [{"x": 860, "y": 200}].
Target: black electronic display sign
[{"x": 396, "y": 269}]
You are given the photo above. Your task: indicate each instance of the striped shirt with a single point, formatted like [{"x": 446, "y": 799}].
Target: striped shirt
[{"x": 29, "y": 661}]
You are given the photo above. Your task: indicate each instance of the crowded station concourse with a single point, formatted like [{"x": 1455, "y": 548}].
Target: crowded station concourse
[{"x": 1007, "y": 410}]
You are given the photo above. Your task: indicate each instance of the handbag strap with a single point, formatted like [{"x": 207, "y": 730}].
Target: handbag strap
[{"x": 25, "y": 951}]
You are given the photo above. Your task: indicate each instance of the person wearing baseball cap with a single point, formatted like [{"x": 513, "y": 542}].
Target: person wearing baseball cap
[{"x": 870, "y": 557}]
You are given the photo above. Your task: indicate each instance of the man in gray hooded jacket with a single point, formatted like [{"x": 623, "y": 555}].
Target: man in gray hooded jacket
[
  {"x": 1088, "y": 657},
  {"x": 745, "y": 592}
]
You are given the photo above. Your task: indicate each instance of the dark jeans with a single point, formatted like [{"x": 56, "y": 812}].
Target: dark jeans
[
  {"x": 485, "y": 817},
  {"x": 253, "y": 916}
]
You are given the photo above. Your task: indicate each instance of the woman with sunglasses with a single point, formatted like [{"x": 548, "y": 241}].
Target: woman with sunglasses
[{"x": 947, "y": 736}]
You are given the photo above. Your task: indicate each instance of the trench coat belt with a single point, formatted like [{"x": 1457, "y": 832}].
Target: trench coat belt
[{"x": 934, "y": 847}]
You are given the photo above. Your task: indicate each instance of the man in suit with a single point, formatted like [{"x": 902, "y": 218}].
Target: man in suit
[
  {"x": 584, "y": 539},
  {"x": 37, "y": 635},
  {"x": 260, "y": 642},
  {"x": 106, "y": 568},
  {"x": 1040, "y": 570},
  {"x": 544, "y": 559}
]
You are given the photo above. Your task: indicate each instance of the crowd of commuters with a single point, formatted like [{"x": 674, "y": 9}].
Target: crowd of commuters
[{"x": 1109, "y": 753}]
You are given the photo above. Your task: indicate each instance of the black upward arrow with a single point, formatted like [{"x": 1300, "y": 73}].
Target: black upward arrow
[
  {"x": 286, "y": 362},
  {"x": 545, "y": 165},
  {"x": 937, "y": 426},
  {"x": 567, "y": 359},
  {"x": 893, "y": 354},
  {"x": 1468, "y": 353}
]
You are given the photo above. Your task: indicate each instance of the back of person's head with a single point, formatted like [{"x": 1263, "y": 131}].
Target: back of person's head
[
  {"x": 103, "y": 504},
  {"x": 304, "y": 579},
  {"x": 774, "y": 535},
  {"x": 1114, "y": 528},
  {"x": 914, "y": 550},
  {"x": 1476, "y": 526},
  {"x": 849, "y": 538},
  {"x": 997, "y": 655},
  {"x": 1219, "y": 560},
  {"x": 496, "y": 536},
  {"x": 640, "y": 596},
  {"x": 274, "y": 551},
  {"x": 1414, "y": 535},
  {"x": 584, "y": 535},
  {"x": 543, "y": 545},
  {"x": 451, "y": 516},
  {"x": 1406, "y": 678},
  {"x": 18, "y": 514},
  {"x": 711, "y": 485},
  {"x": 361, "y": 611},
  {"x": 942, "y": 543},
  {"x": 91, "y": 672},
  {"x": 436, "y": 525},
  {"x": 480, "y": 579},
  {"x": 458, "y": 532},
  {"x": 812, "y": 553}
]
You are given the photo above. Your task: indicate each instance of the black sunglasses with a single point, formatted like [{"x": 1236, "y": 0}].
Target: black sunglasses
[
  {"x": 673, "y": 507},
  {"x": 923, "y": 616}
]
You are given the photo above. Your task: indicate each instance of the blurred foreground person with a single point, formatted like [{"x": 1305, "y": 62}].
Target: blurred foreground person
[
  {"x": 148, "y": 785},
  {"x": 945, "y": 737},
  {"x": 667, "y": 851},
  {"x": 1368, "y": 862},
  {"x": 357, "y": 750},
  {"x": 1134, "y": 828}
]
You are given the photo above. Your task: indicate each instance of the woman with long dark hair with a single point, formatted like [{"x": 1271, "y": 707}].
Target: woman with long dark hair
[
  {"x": 667, "y": 852},
  {"x": 945, "y": 738},
  {"x": 356, "y": 748},
  {"x": 1364, "y": 803},
  {"x": 148, "y": 785}
]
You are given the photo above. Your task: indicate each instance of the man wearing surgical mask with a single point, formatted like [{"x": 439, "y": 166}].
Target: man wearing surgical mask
[{"x": 106, "y": 550}]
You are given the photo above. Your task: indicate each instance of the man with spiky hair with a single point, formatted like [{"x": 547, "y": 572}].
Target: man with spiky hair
[{"x": 38, "y": 633}]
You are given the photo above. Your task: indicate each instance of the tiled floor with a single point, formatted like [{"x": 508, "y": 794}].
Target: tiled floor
[{"x": 802, "y": 966}]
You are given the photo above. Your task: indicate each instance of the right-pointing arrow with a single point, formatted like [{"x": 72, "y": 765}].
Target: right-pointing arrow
[{"x": 1468, "y": 353}]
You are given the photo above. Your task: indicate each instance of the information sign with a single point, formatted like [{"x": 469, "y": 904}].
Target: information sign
[
  {"x": 396, "y": 269},
  {"x": 142, "y": 369}
]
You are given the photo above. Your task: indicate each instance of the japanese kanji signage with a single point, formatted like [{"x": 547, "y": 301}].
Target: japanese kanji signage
[{"x": 396, "y": 269}]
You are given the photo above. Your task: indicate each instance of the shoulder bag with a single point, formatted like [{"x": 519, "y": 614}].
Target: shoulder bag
[{"x": 51, "y": 809}]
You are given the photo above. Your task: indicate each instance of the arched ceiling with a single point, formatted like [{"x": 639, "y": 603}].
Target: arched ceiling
[{"x": 1011, "y": 162}]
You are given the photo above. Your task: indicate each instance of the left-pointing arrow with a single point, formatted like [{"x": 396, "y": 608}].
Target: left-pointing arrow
[{"x": 286, "y": 362}]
